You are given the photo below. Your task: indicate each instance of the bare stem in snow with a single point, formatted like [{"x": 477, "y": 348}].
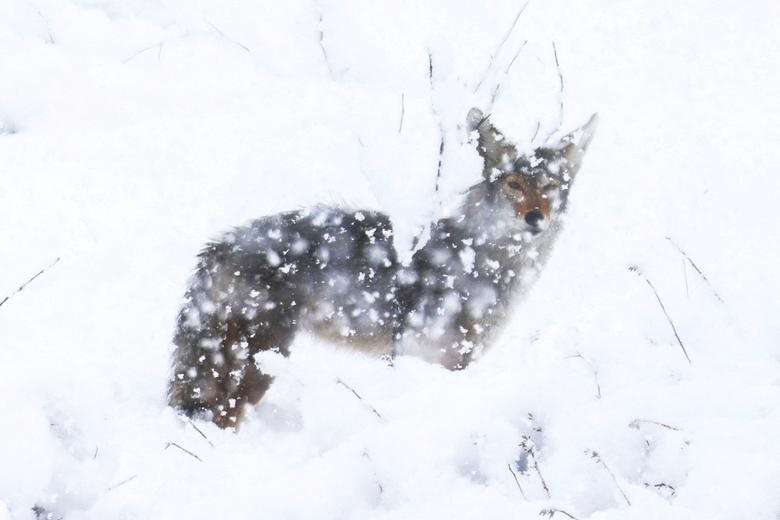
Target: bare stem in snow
[
  {"x": 441, "y": 127},
  {"x": 560, "y": 94},
  {"x": 376, "y": 478},
  {"x": 200, "y": 432},
  {"x": 636, "y": 423},
  {"x": 25, "y": 284},
  {"x": 536, "y": 131},
  {"x": 322, "y": 48},
  {"x": 122, "y": 483},
  {"x": 696, "y": 268},
  {"x": 49, "y": 36},
  {"x": 663, "y": 308},
  {"x": 188, "y": 452},
  {"x": 345, "y": 385},
  {"x": 403, "y": 110},
  {"x": 158, "y": 46},
  {"x": 438, "y": 168},
  {"x": 509, "y": 466},
  {"x": 227, "y": 38},
  {"x": 508, "y": 67},
  {"x": 593, "y": 369},
  {"x": 528, "y": 445},
  {"x": 494, "y": 96},
  {"x": 496, "y": 52},
  {"x": 549, "y": 513},
  {"x": 595, "y": 456}
]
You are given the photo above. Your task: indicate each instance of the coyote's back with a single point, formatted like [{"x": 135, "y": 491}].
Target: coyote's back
[{"x": 334, "y": 272}]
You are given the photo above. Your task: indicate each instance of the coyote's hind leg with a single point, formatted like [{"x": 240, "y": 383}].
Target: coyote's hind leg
[
  {"x": 222, "y": 381},
  {"x": 234, "y": 309},
  {"x": 240, "y": 381}
]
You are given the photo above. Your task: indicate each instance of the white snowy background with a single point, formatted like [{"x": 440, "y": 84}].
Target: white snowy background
[{"x": 131, "y": 131}]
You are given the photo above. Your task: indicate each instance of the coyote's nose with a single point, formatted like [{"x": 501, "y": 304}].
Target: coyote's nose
[{"x": 534, "y": 217}]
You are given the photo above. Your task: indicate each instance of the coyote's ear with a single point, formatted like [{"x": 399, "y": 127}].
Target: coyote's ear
[
  {"x": 570, "y": 150},
  {"x": 492, "y": 147}
]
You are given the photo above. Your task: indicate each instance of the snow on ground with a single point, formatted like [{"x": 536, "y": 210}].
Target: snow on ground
[{"x": 132, "y": 131}]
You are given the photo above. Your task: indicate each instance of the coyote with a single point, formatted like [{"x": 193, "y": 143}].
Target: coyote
[{"x": 334, "y": 272}]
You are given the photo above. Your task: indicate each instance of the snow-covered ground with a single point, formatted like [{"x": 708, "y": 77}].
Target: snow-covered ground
[{"x": 133, "y": 130}]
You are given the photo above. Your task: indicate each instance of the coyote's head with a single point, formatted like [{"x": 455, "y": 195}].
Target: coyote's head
[{"x": 536, "y": 186}]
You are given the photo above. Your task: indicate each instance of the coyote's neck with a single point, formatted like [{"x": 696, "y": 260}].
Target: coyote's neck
[{"x": 463, "y": 282}]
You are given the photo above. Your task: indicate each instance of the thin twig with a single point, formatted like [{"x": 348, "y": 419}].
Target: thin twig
[
  {"x": 25, "y": 284},
  {"x": 122, "y": 483},
  {"x": 227, "y": 38},
  {"x": 536, "y": 131},
  {"x": 45, "y": 22},
  {"x": 560, "y": 94},
  {"x": 322, "y": 48},
  {"x": 637, "y": 422},
  {"x": 519, "y": 50},
  {"x": 441, "y": 128},
  {"x": 549, "y": 513},
  {"x": 138, "y": 53},
  {"x": 558, "y": 68},
  {"x": 509, "y": 467},
  {"x": 696, "y": 267},
  {"x": 501, "y": 45},
  {"x": 438, "y": 167},
  {"x": 663, "y": 308},
  {"x": 376, "y": 478},
  {"x": 685, "y": 277},
  {"x": 669, "y": 319},
  {"x": 496, "y": 90},
  {"x": 345, "y": 385},
  {"x": 594, "y": 455},
  {"x": 528, "y": 445},
  {"x": 403, "y": 110},
  {"x": 200, "y": 432},
  {"x": 185, "y": 450},
  {"x": 593, "y": 369}
]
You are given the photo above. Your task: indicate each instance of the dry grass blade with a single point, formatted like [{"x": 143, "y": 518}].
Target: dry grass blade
[
  {"x": 509, "y": 467},
  {"x": 25, "y": 284},
  {"x": 696, "y": 268},
  {"x": 592, "y": 369},
  {"x": 595, "y": 456},
  {"x": 549, "y": 513},
  {"x": 501, "y": 45},
  {"x": 636, "y": 270},
  {"x": 354, "y": 392},
  {"x": 636, "y": 423},
  {"x": 122, "y": 483},
  {"x": 185, "y": 450}
]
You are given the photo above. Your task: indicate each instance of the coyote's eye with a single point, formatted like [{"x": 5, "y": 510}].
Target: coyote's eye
[
  {"x": 515, "y": 185},
  {"x": 514, "y": 188}
]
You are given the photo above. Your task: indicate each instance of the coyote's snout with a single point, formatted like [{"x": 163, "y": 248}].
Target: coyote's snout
[{"x": 334, "y": 272}]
